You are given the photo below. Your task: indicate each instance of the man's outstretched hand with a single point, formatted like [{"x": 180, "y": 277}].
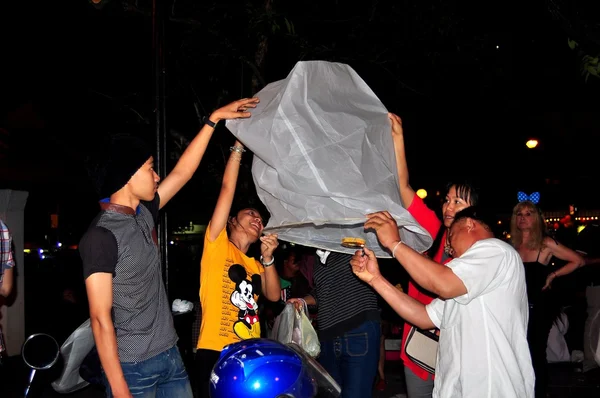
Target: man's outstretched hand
[{"x": 364, "y": 265}]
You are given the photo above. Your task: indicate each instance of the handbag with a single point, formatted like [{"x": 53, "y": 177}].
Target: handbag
[{"x": 421, "y": 348}]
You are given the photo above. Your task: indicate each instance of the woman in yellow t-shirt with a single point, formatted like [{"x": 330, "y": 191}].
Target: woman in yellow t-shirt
[{"x": 230, "y": 281}]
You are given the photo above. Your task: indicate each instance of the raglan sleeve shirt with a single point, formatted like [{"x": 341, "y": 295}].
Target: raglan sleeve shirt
[
  {"x": 98, "y": 247},
  {"x": 99, "y": 251}
]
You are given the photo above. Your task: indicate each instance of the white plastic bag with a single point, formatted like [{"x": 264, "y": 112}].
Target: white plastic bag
[
  {"x": 591, "y": 338},
  {"x": 292, "y": 326},
  {"x": 74, "y": 350},
  {"x": 324, "y": 158},
  {"x": 283, "y": 326},
  {"x": 557, "y": 349},
  {"x": 309, "y": 340}
]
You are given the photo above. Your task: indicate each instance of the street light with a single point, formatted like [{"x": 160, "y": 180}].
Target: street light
[{"x": 532, "y": 143}]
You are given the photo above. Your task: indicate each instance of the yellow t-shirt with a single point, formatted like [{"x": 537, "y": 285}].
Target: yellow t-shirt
[{"x": 229, "y": 287}]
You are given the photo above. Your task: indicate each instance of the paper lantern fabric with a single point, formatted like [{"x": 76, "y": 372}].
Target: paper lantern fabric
[{"x": 324, "y": 158}]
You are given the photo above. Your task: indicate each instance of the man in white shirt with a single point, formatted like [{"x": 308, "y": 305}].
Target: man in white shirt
[{"x": 481, "y": 311}]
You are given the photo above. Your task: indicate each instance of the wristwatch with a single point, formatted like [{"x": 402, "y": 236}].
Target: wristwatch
[{"x": 210, "y": 122}]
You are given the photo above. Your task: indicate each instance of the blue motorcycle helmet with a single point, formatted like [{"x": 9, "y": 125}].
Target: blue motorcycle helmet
[{"x": 257, "y": 368}]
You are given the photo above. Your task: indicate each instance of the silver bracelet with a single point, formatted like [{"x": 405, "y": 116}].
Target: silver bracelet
[
  {"x": 269, "y": 263},
  {"x": 238, "y": 149}
]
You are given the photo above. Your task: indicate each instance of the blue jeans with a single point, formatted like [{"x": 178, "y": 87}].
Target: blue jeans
[
  {"x": 162, "y": 376},
  {"x": 352, "y": 359}
]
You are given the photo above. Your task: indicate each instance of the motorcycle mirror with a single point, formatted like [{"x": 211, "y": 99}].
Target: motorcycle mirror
[{"x": 40, "y": 351}]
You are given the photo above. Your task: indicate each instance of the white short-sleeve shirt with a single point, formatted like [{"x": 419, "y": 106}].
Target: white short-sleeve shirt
[{"x": 483, "y": 350}]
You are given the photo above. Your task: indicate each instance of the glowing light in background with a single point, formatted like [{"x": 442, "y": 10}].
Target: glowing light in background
[
  {"x": 421, "y": 193},
  {"x": 531, "y": 144}
]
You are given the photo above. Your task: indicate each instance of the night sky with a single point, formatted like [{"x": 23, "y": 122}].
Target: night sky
[{"x": 472, "y": 83}]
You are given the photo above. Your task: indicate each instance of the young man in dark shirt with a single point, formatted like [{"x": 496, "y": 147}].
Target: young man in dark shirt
[{"x": 129, "y": 310}]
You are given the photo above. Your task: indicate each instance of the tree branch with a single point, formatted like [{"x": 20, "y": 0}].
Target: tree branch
[{"x": 254, "y": 70}]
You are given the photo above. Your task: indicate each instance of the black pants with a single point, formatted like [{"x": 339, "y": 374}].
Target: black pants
[
  {"x": 205, "y": 361},
  {"x": 540, "y": 323}
]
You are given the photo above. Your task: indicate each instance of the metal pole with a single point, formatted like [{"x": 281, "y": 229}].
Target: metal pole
[{"x": 158, "y": 47}]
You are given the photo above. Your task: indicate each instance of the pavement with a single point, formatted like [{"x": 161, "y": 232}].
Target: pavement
[{"x": 566, "y": 380}]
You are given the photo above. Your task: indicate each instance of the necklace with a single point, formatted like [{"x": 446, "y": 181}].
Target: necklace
[{"x": 233, "y": 243}]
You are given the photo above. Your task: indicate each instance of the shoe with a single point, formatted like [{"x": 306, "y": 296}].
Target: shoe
[{"x": 381, "y": 384}]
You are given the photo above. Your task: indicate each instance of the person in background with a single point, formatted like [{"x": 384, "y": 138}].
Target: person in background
[
  {"x": 567, "y": 230},
  {"x": 348, "y": 324},
  {"x": 293, "y": 283},
  {"x": 529, "y": 236},
  {"x": 129, "y": 309},
  {"x": 390, "y": 320},
  {"x": 7, "y": 265},
  {"x": 588, "y": 245},
  {"x": 7, "y": 262}
]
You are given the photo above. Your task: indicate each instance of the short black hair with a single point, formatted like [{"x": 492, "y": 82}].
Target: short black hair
[
  {"x": 116, "y": 157},
  {"x": 475, "y": 213},
  {"x": 285, "y": 250},
  {"x": 466, "y": 189}
]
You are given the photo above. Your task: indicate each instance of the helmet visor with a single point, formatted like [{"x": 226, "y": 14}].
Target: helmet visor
[{"x": 326, "y": 385}]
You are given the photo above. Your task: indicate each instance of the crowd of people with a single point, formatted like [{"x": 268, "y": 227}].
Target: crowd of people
[{"x": 486, "y": 302}]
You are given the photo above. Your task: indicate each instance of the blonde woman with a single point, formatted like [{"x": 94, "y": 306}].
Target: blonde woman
[{"x": 530, "y": 237}]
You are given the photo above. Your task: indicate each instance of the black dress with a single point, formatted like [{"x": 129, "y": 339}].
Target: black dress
[{"x": 540, "y": 321}]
